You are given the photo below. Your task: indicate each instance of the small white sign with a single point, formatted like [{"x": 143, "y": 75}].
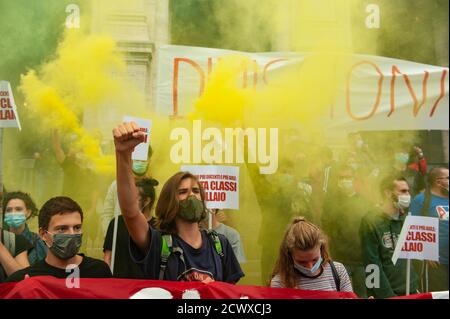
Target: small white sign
[
  {"x": 419, "y": 239},
  {"x": 8, "y": 112},
  {"x": 221, "y": 184},
  {"x": 141, "y": 151}
]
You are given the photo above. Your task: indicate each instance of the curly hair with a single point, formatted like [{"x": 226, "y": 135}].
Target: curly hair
[{"x": 26, "y": 198}]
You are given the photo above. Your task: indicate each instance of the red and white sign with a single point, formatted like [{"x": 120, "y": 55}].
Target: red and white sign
[
  {"x": 8, "y": 111},
  {"x": 141, "y": 151},
  {"x": 442, "y": 212},
  {"x": 419, "y": 239},
  {"x": 221, "y": 184}
]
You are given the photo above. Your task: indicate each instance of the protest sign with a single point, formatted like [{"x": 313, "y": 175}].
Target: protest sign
[
  {"x": 8, "y": 110},
  {"x": 221, "y": 184},
  {"x": 141, "y": 151},
  {"x": 419, "y": 239}
]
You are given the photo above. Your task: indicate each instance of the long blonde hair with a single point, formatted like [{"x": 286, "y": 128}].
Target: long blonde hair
[{"x": 302, "y": 235}]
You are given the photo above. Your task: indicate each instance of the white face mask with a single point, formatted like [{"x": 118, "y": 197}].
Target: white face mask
[
  {"x": 346, "y": 183},
  {"x": 403, "y": 201}
]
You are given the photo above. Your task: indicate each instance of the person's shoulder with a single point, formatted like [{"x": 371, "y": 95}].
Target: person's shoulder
[
  {"x": 419, "y": 197},
  {"x": 230, "y": 230},
  {"x": 94, "y": 267},
  {"x": 211, "y": 235},
  {"x": 90, "y": 262},
  {"x": 374, "y": 215},
  {"x": 275, "y": 282},
  {"x": 222, "y": 237},
  {"x": 439, "y": 199},
  {"x": 339, "y": 267}
]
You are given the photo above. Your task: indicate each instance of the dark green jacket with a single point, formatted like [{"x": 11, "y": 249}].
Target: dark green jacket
[
  {"x": 379, "y": 233},
  {"x": 341, "y": 218}
]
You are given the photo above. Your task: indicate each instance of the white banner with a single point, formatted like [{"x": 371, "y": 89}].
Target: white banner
[
  {"x": 419, "y": 239},
  {"x": 141, "y": 150},
  {"x": 8, "y": 111},
  {"x": 221, "y": 184},
  {"x": 379, "y": 93}
]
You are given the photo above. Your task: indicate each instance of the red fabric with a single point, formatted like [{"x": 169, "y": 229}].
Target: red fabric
[
  {"x": 53, "y": 288},
  {"x": 416, "y": 296},
  {"x": 420, "y": 167}
]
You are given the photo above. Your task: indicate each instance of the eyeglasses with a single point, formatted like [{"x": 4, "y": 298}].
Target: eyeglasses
[{"x": 443, "y": 178}]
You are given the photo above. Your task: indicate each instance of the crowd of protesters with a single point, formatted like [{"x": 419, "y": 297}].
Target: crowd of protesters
[{"x": 329, "y": 227}]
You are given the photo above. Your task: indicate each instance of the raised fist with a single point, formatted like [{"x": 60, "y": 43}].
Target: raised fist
[
  {"x": 127, "y": 136},
  {"x": 419, "y": 151}
]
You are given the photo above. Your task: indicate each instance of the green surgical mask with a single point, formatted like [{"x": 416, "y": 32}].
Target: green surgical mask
[
  {"x": 192, "y": 209},
  {"x": 140, "y": 167},
  {"x": 65, "y": 246}
]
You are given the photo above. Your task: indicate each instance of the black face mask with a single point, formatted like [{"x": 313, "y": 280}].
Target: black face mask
[
  {"x": 65, "y": 246},
  {"x": 192, "y": 209}
]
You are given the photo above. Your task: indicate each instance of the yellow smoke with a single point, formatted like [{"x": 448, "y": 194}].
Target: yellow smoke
[
  {"x": 300, "y": 99},
  {"x": 79, "y": 78},
  {"x": 87, "y": 73},
  {"x": 223, "y": 100}
]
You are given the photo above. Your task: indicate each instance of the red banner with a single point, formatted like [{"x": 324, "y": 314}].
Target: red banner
[{"x": 87, "y": 288}]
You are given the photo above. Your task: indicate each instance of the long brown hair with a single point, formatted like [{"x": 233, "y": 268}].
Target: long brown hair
[
  {"x": 302, "y": 235},
  {"x": 168, "y": 204}
]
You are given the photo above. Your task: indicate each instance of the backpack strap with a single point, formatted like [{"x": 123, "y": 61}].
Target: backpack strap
[
  {"x": 337, "y": 279},
  {"x": 166, "y": 250},
  {"x": 217, "y": 243}
]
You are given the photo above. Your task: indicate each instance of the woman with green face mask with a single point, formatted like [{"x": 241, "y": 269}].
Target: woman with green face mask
[
  {"x": 176, "y": 248},
  {"x": 18, "y": 208}
]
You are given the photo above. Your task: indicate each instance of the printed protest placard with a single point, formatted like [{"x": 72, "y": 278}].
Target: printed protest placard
[
  {"x": 221, "y": 184},
  {"x": 8, "y": 110},
  {"x": 419, "y": 239},
  {"x": 141, "y": 151}
]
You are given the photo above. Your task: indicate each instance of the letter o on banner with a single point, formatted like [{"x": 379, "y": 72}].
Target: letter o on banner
[
  {"x": 152, "y": 293},
  {"x": 379, "y": 91}
]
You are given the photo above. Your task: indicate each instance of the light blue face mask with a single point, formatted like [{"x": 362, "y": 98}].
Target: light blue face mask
[
  {"x": 15, "y": 220},
  {"x": 286, "y": 179},
  {"x": 402, "y": 157},
  {"x": 308, "y": 271},
  {"x": 140, "y": 167}
]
